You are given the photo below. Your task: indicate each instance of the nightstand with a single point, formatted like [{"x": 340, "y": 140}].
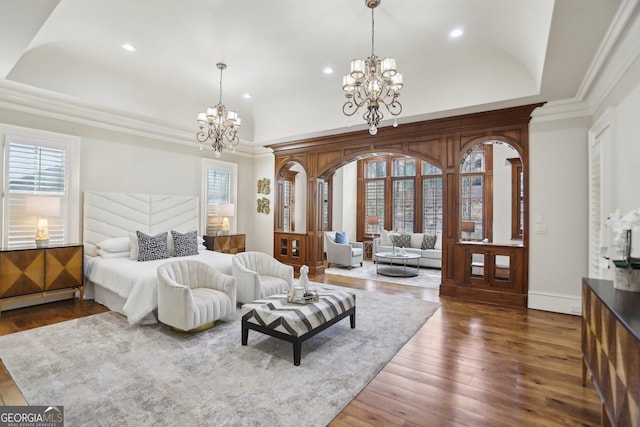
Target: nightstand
[{"x": 228, "y": 244}]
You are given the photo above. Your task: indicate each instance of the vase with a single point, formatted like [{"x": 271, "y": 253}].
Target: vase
[{"x": 626, "y": 279}]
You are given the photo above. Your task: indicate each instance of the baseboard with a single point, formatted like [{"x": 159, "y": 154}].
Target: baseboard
[{"x": 558, "y": 303}]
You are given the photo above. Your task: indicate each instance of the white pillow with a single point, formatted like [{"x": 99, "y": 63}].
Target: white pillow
[
  {"x": 114, "y": 244},
  {"x": 385, "y": 240},
  {"x": 201, "y": 247},
  {"x": 133, "y": 246},
  {"x": 104, "y": 254}
]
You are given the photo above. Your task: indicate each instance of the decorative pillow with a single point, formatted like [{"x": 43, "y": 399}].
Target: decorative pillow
[
  {"x": 115, "y": 244},
  {"x": 185, "y": 244},
  {"x": 133, "y": 246},
  {"x": 106, "y": 254},
  {"x": 429, "y": 241},
  {"x": 341, "y": 237},
  {"x": 152, "y": 247},
  {"x": 403, "y": 240},
  {"x": 385, "y": 239}
]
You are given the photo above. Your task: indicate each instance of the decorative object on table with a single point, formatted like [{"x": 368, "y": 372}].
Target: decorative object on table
[
  {"x": 304, "y": 278},
  {"x": 393, "y": 236},
  {"x": 627, "y": 268},
  {"x": 219, "y": 125},
  {"x": 264, "y": 186},
  {"x": 42, "y": 207},
  {"x": 372, "y": 83},
  {"x": 263, "y": 205}
]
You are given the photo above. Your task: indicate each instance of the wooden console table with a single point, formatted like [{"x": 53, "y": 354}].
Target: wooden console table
[
  {"x": 32, "y": 273},
  {"x": 611, "y": 349}
]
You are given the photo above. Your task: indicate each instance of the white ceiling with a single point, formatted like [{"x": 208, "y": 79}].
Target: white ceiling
[{"x": 513, "y": 52}]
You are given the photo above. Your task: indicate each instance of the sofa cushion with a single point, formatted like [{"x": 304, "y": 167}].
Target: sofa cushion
[
  {"x": 429, "y": 241},
  {"x": 431, "y": 253}
]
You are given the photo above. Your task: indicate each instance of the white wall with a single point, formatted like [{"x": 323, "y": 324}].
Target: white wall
[
  {"x": 558, "y": 196},
  {"x": 260, "y": 236}
]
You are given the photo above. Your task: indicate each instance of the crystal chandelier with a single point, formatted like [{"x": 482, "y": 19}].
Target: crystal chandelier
[
  {"x": 219, "y": 125},
  {"x": 372, "y": 82}
]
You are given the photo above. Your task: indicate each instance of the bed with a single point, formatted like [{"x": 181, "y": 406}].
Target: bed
[{"x": 110, "y": 220}]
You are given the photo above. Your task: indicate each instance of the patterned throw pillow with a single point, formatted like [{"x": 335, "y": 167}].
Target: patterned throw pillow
[
  {"x": 185, "y": 244},
  {"x": 403, "y": 240},
  {"x": 152, "y": 247},
  {"x": 429, "y": 241}
]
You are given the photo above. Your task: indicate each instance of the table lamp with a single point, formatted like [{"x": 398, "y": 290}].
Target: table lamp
[
  {"x": 372, "y": 220},
  {"x": 42, "y": 207},
  {"x": 468, "y": 227},
  {"x": 225, "y": 210}
]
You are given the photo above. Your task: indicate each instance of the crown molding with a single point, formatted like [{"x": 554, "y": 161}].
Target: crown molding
[
  {"x": 564, "y": 109},
  {"x": 27, "y": 99}
]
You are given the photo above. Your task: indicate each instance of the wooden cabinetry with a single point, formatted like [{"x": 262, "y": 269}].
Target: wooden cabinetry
[
  {"x": 367, "y": 245},
  {"x": 290, "y": 249},
  {"x": 611, "y": 349},
  {"x": 228, "y": 244},
  {"x": 40, "y": 272},
  {"x": 487, "y": 272}
]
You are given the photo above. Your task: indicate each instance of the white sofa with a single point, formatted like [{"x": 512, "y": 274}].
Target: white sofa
[{"x": 431, "y": 258}]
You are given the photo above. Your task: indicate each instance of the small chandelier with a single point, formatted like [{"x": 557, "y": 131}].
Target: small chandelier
[
  {"x": 372, "y": 82},
  {"x": 219, "y": 125}
]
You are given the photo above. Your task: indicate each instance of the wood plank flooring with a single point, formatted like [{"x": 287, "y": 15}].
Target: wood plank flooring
[{"x": 469, "y": 365}]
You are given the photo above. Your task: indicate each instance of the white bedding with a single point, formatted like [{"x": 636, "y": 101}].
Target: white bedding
[{"x": 136, "y": 282}]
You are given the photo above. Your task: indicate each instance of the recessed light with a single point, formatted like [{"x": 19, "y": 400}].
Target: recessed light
[
  {"x": 129, "y": 47},
  {"x": 456, "y": 33},
  {"x": 328, "y": 70},
  {"x": 247, "y": 96}
]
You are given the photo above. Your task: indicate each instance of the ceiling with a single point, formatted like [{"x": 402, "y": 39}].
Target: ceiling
[{"x": 513, "y": 52}]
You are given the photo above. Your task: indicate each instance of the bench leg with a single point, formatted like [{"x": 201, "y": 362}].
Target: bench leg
[
  {"x": 297, "y": 351},
  {"x": 352, "y": 319},
  {"x": 245, "y": 334}
]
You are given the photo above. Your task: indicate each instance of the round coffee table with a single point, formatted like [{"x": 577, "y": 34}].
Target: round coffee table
[{"x": 397, "y": 264}]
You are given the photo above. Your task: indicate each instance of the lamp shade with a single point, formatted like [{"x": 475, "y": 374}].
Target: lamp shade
[
  {"x": 468, "y": 226},
  {"x": 371, "y": 220},
  {"x": 42, "y": 205},
  {"x": 226, "y": 209}
]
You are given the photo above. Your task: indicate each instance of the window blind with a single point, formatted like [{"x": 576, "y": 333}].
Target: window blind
[{"x": 33, "y": 169}]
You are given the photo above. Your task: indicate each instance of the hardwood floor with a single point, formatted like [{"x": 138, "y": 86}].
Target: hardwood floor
[{"x": 470, "y": 365}]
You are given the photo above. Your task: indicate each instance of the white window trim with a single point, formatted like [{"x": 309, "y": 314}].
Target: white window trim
[
  {"x": 233, "y": 170},
  {"x": 72, "y": 144}
]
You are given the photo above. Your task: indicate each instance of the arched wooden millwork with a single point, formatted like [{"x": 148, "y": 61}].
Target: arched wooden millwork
[{"x": 442, "y": 142}]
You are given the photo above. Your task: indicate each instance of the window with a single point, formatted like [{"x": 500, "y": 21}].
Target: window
[
  {"x": 431, "y": 198},
  {"x": 409, "y": 199},
  {"x": 45, "y": 165},
  {"x": 219, "y": 187}
]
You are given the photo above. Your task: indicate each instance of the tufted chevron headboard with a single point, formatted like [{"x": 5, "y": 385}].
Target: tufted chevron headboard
[{"x": 108, "y": 215}]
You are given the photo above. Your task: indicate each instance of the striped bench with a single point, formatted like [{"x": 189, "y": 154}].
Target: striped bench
[{"x": 296, "y": 323}]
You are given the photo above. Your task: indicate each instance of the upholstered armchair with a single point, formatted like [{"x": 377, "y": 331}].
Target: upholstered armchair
[
  {"x": 259, "y": 275},
  {"x": 348, "y": 254},
  {"x": 192, "y": 295}
]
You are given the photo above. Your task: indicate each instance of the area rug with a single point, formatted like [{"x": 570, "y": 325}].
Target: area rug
[
  {"x": 426, "y": 278},
  {"x": 106, "y": 372}
]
